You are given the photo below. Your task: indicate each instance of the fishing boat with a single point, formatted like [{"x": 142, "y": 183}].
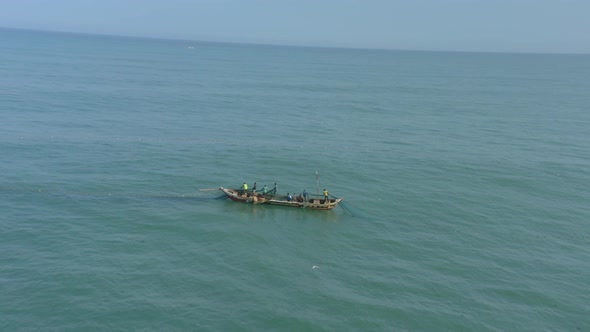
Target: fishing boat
[
  {"x": 315, "y": 202},
  {"x": 244, "y": 196}
]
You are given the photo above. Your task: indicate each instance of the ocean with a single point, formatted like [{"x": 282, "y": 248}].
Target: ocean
[{"x": 465, "y": 180}]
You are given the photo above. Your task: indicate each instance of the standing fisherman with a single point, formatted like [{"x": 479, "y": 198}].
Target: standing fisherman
[{"x": 326, "y": 196}]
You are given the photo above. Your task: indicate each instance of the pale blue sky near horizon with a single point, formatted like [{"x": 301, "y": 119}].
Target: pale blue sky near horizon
[{"x": 536, "y": 26}]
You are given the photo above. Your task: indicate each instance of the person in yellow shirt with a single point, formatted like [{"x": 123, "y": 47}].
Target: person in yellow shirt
[{"x": 326, "y": 196}]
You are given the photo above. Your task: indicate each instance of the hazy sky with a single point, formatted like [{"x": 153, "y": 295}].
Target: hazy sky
[{"x": 554, "y": 26}]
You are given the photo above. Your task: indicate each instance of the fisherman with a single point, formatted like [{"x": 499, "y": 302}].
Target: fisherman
[
  {"x": 264, "y": 190},
  {"x": 244, "y": 188},
  {"x": 300, "y": 198},
  {"x": 289, "y": 197},
  {"x": 326, "y": 196},
  {"x": 276, "y": 189},
  {"x": 304, "y": 194},
  {"x": 254, "y": 186}
]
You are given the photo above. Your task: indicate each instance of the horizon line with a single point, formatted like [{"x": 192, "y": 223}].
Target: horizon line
[{"x": 285, "y": 44}]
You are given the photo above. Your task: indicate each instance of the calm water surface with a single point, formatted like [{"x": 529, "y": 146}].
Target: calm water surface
[{"x": 465, "y": 179}]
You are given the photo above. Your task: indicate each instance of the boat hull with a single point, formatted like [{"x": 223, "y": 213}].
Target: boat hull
[{"x": 315, "y": 204}]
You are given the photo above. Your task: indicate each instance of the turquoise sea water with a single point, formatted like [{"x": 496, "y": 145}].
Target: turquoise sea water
[{"x": 465, "y": 179}]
